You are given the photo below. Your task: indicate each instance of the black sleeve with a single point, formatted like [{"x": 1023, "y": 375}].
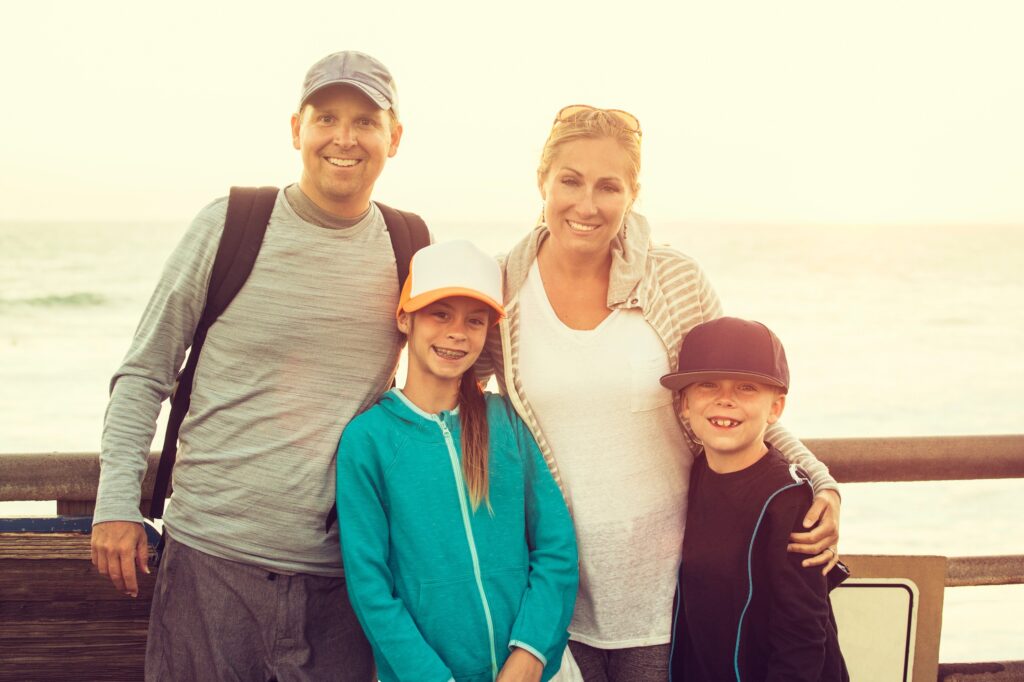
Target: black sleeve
[{"x": 799, "y": 603}]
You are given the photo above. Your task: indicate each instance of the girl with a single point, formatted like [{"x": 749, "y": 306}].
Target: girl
[{"x": 459, "y": 553}]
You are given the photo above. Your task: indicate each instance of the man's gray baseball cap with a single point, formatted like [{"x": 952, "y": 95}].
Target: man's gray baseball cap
[{"x": 352, "y": 68}]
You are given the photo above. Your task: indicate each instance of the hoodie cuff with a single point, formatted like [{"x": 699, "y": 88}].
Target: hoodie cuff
[{"x": 515, "y": 643}]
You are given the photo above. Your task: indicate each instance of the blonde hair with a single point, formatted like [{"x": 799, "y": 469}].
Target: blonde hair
[
  {"x": 589, "y": 125},
  {"x": 475, "y": 437}
]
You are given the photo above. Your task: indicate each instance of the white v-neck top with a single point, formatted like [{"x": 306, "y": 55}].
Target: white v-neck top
[{"x": 623, "y": 462}]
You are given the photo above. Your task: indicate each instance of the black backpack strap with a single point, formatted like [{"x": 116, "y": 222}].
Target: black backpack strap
[
  {"x": 249, "y": 210},
  {"x": 408, "y": 235}
]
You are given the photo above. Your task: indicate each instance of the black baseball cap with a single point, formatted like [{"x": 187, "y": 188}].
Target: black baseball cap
[{"x": 730, "y": 348}]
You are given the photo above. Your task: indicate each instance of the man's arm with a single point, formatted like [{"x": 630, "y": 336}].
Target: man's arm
[
  {"x": 118, "y": 547},
  {"x": 138, "y": 388}
]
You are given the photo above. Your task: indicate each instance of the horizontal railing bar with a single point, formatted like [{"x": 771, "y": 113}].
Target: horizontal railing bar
[
  {"x": 998, "y": 671},
  {"x": 924, "y": 458},
  {"x": 972, "y": 571},
  {"x": 74, "y": 476},
  {"x": 58, "y": 476}
]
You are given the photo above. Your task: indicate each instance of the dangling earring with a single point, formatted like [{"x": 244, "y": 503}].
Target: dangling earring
[{"x": 541, "y": 220}]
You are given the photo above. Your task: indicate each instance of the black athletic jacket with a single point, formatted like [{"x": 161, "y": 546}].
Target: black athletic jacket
[{"x": 745, "y": 608}]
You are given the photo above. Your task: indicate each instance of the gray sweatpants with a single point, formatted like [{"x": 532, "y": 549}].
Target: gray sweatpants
[{"x": 214, "y": 619}]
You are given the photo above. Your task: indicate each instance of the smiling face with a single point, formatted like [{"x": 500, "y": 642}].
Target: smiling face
[
  {"x": 445, "y": 339},
  {"x": 730, "y": 417},
  {"x": 587, "y": 191},
  {"x": 344, "y": 139}
]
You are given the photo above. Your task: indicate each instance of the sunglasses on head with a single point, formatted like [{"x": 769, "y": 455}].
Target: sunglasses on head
[{"x": 571, "y": 113}]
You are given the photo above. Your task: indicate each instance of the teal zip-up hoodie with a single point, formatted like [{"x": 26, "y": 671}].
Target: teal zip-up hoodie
[{"x": 443, "y": 592}]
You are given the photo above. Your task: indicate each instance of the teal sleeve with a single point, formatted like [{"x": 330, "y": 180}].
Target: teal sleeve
[
  {"x": 399, "y": 649},
  {"x": 547, "y": 605}
]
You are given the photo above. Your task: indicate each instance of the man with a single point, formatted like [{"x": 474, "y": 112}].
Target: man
[{"x": 250, "y": 586}]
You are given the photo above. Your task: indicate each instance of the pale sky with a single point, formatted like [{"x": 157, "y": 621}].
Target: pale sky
[{"x": 806, "y": 111}]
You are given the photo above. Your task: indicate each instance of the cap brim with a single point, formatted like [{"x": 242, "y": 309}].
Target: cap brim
[
  {"x": 375, "y": 96},
  {"x": 680, "y": 380},
  {"x": 426, "y": 298}
]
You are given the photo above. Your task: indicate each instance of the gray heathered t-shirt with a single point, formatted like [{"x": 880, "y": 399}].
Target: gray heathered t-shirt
[{"x": 309, "y": 341}]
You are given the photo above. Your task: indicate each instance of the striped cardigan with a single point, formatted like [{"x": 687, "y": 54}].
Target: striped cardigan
[{"x": 674, "y": 295}]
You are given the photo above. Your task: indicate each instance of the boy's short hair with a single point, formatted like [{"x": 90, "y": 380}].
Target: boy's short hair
[{"x": 730, "y": 348}]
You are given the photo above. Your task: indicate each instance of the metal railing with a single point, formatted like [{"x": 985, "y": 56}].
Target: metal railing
[{"x": 72, "y": 478}]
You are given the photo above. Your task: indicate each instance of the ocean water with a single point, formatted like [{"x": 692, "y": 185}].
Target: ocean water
[{"x": 906, "y": 331}]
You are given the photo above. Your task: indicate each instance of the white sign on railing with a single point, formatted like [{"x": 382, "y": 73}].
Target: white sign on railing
[{"x": 877, "y": 620}]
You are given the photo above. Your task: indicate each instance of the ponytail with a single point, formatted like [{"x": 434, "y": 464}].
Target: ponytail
[{"x": 473, "y": 417}]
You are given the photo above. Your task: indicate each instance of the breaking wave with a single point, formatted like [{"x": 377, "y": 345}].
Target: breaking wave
[{"x": 81, "y": 299}]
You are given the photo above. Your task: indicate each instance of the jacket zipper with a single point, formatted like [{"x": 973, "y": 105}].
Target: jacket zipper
[
  {"x": 460, "y": 485},
  {"x": 750, "y": 573}
]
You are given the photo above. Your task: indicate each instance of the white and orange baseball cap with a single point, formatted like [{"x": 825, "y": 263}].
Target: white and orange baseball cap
[{"x": 447, "y": 269}]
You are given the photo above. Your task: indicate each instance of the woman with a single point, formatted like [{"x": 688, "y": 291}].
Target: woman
[{"x": 595, "y": 315}]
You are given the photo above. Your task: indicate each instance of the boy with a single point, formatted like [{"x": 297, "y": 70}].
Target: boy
[{"x": 746, "y": 608}]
